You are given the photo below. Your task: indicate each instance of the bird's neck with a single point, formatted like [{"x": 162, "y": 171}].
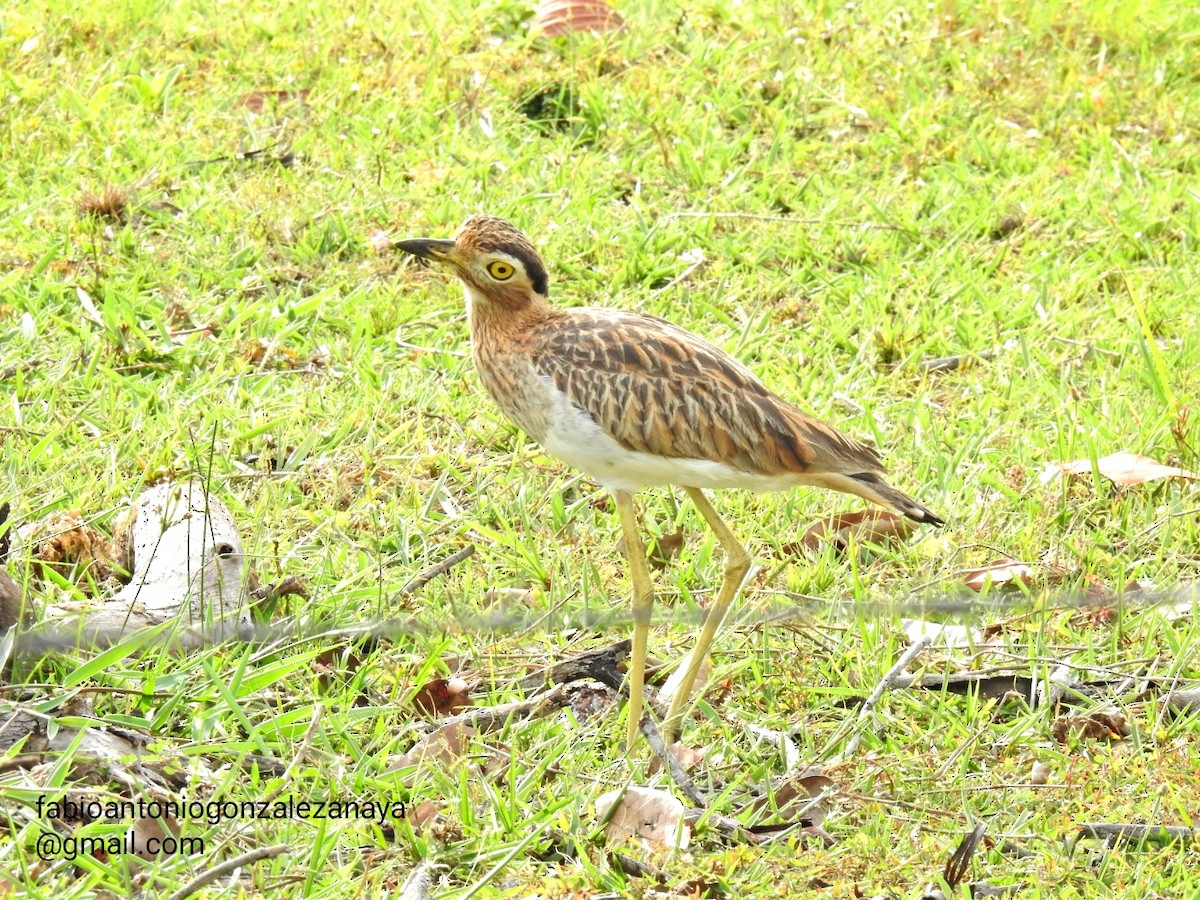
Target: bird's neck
[{"x": 505, "y": 317}]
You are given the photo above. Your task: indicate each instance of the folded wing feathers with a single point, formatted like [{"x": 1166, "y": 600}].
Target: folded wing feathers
[{"x": 658, "y": 389}]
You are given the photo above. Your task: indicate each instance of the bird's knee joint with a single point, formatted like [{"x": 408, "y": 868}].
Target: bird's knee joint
[{"x": 737, "y": 564}]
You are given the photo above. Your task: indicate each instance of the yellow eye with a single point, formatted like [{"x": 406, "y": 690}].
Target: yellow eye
[{"x": 501, "y": 271}]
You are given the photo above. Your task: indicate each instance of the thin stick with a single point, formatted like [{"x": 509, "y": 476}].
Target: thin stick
[
  {"x": 210, "y": 875},
  {"x": 655, "y": 739},
  {"x": 427, "y": 575},
  {"x": 886, "y": 682},
  {"x": 681, "y": 277},
  {"x": 491, "y": 718}
]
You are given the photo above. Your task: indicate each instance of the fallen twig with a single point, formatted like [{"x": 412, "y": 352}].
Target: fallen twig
[
  {"x": 492, "y": 718},
  {"x": 892, "y": 676},
  {"x": 427, "y": 575},
  {"x": 230, "y": 865}
]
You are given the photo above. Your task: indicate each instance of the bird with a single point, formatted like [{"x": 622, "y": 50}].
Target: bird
[{"x": 635, "y": 401}]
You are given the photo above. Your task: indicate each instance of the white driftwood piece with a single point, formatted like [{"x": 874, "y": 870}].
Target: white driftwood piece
[{"x": 189, "y": 570}]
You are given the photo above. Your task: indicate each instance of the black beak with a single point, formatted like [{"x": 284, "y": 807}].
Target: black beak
[{"x": 426, "y": 248}]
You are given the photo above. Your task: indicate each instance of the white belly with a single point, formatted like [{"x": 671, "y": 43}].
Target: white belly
[{"x": 574, "y": 438}]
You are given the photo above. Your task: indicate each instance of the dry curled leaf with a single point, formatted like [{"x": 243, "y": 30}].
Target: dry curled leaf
[
  {"x": 1123, "y": 469},
  {"x": 647, "y": 813},
  {"x": 875, "y": 525},
  {"x": 555, "y": 18},
  {"x": 443, "y": 696},
  {"x": 999, "y": 573}
]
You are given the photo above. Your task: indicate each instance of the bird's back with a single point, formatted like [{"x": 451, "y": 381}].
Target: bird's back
[{"x": 655, "y": 388}]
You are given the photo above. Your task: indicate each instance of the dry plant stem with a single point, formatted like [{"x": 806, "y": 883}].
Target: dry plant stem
[
  {"x": 492, "y": 718},
  {"x": 892, "y": 676},
  {"x": 427, "y": 575},
  {"x": 737, "y": 564},
  {"x": 643, "y": 603},
  {"x": 230, "y": 865},
  {"x": 682, "y": 276}
]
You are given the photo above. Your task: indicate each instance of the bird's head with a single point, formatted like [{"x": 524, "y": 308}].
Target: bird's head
[{"x": 497, "y": 264}]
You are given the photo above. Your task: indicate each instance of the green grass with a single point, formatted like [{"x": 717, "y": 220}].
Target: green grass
[{"x": 869, "y": 187}]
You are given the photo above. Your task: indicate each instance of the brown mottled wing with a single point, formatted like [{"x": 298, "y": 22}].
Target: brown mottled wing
[{"x": 656, "y": 388}]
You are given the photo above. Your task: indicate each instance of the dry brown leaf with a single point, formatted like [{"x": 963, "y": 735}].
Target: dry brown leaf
[
  {"x": 797, "y": 795},
  {"x": 1098, "y": 726},
  {"x": 1124, "y": 469},
  {"x": 1000, "y": 573},
  {"x": 658, "y": 553},
  {"x": 423, "y": 812},
  {"x": 590, "y": 701},
  {"x": 665, "y": 549},
  {"x": 687, "y": 757},
  {"x": 647, "y": 813},
  {"x": 555, "y": 18},
  {"x": 257, "y": 101},
  {"x": 875, "y": 525},
  {"x": 147, "y": 836},
  {"x": 446, "y": 745},
  {"x": 443, "y": 696}
]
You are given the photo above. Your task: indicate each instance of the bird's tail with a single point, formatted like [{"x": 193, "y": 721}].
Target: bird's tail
[{"x": 871, "y": 487}]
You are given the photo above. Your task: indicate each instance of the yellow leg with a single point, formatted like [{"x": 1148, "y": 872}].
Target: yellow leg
[
  {"x": 643, "y": 601},
  {"x": 737, "y": 564}
]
